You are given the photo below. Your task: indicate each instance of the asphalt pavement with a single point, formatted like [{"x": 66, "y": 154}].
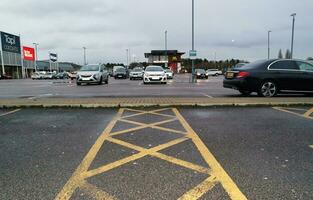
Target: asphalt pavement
[
  {"x": 157, "y": 153},
  {"x": 178, "y": 87}
]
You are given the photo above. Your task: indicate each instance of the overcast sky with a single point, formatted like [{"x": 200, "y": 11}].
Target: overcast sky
[{"x": 231, "y": 28}]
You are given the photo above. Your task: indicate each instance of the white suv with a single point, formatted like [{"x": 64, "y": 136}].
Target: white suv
[{"x": 154, "y": 74}]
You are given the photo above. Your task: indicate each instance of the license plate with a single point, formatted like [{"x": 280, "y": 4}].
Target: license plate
[
  {"x": 85, "y": 79},
  {"x": 155, "y": 78},
  {"x": 229, "y": 75},
  {"x": 119, "y": 75}
]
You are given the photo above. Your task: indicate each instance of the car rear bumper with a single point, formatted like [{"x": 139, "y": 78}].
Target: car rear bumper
[
  {"x": 202, "y": 76},
  {"x": 120, "y": 76},
  {"x": 236, "y": 84}
]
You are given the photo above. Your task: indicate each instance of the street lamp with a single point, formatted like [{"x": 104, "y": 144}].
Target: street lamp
[
  {"x": 85, "y": 62},
  {"x": 127, "y": 57},
  {"x": 166, "y": 40},
  {"x": 293, "y": 31},
  {"x": 268, "y": 44},
  {"x": 193, "y": 42},
  {"x": 36, "y": 55}
]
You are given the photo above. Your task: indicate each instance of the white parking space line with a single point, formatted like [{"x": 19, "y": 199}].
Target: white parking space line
[
  {"x": 206, "y": 95},
  {"x": 11, "y": 112},
  {"x": 40, "y": 96}
]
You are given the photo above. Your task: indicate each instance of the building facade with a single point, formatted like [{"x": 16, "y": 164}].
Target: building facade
[{"x": 166, "y": 58}]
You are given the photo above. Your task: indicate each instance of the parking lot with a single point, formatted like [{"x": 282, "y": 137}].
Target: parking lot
[
  {"x": 157, "y": 153},
  {"x": 179, "y": 86}
]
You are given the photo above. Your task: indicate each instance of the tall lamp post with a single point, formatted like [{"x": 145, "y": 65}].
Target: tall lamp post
[
  {"x": 127, "y": 57},
  {"x": 166, "y": 40},
  {"x": 193, "y": 42},
  {"x": 85, "y": 62},
  {"x": 36, "y": 55},
  {"x": 293, "y": 32},
  {"x": 268, "y": 44}
]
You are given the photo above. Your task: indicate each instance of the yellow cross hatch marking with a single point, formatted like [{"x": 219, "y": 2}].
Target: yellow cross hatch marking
[
  {"x": 306, "y": 115},
  {"x": 215, "y": 173},
  {"x": 95, "y": 192}
]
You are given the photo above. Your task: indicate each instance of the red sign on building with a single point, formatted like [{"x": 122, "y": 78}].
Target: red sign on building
[{"x": 29, "y": 53}]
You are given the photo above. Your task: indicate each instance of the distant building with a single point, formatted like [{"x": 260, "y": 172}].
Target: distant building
[
  {"x": 57, "y": 66},
  {"x": 166, "y": 58}
]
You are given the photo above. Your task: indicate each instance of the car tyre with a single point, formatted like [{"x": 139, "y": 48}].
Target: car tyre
[
  {"x": 106, "y": 81},
  {"x": 101, "y": 81},
  {"x": 268, "y": 88},
  {"x": 78, "y": 83}
]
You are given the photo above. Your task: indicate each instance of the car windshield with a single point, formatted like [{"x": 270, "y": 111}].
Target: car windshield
[
  {"x": 200, "y": 71},
  {"x": 137, "y": 70},
  {"x": 90, "y": 68},
  {"x": 120, "y": 70},
  {"x": 154, "y": 69},
  {"x": 239, "y": 65}
]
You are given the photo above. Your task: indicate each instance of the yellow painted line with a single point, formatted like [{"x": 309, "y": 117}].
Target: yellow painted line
[
  {"x": 298, "y": 109},
  {"x": 113, "y": 165},
  {"x": 11, "y": 112},
  {"x": 200, "y": 189},
  {"x": 217, "y": 170},
  {"x": 153, "y": 112},
  {"x": 142, "y": 126},
  {"x": 308, "y": 113},
  {"x": 126, "y": 144},
  {"x": 155, "y": 125},
  {"x": 95, "y": 192},
  {"x": 182, "y": 163},
  {"x": 290, "y": 112},
  {"x": 123, "y": 161},
  {"x": 163, "y": 157},
  {"x": 76, "y": 178},
  {"x": 311, "y": 146}
]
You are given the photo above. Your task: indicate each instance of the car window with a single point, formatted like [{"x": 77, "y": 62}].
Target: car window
[
  {"x": 154, "y": 69},
  {"x": 200, "y": 70},
  {"x": 284, "y": 65},
  {"x": 305, "y": 66},
  {"x": 90, "y": 68}
]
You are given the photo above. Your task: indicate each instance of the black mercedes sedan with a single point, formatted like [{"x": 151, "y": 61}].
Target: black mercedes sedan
[{"x": 270, "y": 77}]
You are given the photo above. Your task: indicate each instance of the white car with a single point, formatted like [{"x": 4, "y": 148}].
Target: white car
[
  {"x": 154, "y": 74},
  {"x": 169, "y": 74},
  {"x": 213, "y": 72},
  {"x": 136, "y": 73},
  {"x": 92, "y": 74},
  {"x": 37, "y": 75}
]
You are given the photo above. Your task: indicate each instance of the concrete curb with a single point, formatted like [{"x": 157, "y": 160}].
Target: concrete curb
[{"x": 153, "y": 102}]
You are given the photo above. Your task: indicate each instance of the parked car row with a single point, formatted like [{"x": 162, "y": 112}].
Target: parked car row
[
  {"x": 51, "y": 75},
  {"x": 97, "y": 74},
  {"x": 204, "y": 74},
  {"x": 270, "y": 77}
]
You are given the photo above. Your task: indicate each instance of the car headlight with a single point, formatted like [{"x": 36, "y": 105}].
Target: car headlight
[{"x": 198, "y": 74}]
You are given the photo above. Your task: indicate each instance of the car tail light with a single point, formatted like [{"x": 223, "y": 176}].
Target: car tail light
[{"x": 243, "y": 74}]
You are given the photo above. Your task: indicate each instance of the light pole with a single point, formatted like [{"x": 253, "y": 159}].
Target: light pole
[
  {"x": 268, "y": 44},
  {"x": 36, "y": 55},
  {"x": 293, "y": 32},
  {"x": 166, "y": 40},
  {"x": 127, "y": 57},
  {"x": 193, "y": 42},
  {"x": 85, "y": 62}
]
